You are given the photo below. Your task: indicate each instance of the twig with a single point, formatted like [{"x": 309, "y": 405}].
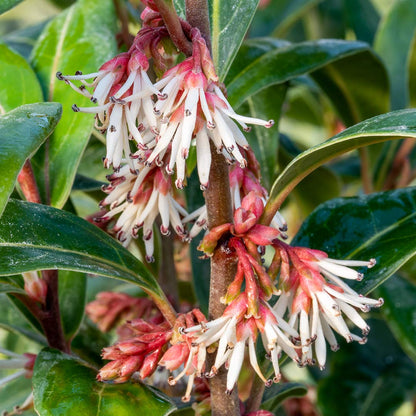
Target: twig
[{"x": 173, "y": 24}]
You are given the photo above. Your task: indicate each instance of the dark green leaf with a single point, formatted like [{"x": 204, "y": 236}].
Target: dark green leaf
[
  {"x": 18, "y": 82},
  {"x": 380, "y": 226},
  {"x": 277, "y": 393},
  {"x": 363, "y": 18},
  {"x": 367, "y": 380},
  {"x": 289, "y": 62},
  {"x": 80, "y": 38},
  {"x": 357, "y": 85},
  {"x": 392, "y": 43},
  {"x": 229, "y": 23},
  {"x": 72, "y": 294},
  {"x": 23, "y": 40},
  {"x": 37, "y": 237},
  {"x": 12, "y": 320},
  {"x": 399, "y": 311},
  {"x": 266, "y": 104},
  {"x": 278, "y": 16},
  {"x": 22, "y": 131},
  {"x": 389, "y": 126},
  {"x": 8, "y": 4},
  {"x": 63, "y": 385}
]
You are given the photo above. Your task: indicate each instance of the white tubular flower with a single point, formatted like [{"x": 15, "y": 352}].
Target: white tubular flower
[
  {"x": 316, "y": 298},
  {"x": 123, "y": 93},
  {"x": 139, "y": 197}
]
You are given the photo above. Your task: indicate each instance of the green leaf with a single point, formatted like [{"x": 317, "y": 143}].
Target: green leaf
[
  {"x": 399, "y": 310},
  {"x": 80, "y": 38},
  {"x": 283, "y": 64},
  {"x": 72, "y": 295},
  {"x": 266, "y": 104},
  {"x": 367, "y": 380},
  {"x": 278, "y": 16},
  {"x": 363, "y": 18},
  {"x": 62, "y": 385},
  {"x": 394, "y": 125},
  {"x": 18, "y": 83},
  {"x": 380, "y": 226},
  {"x": 229, "y": 23},
  {"x": 38, "y": 237},
  {"x": 8, "y": 4},
  {"x": 23, "y": 40},
  {"x": 274, "y": 396},
  {"x": 392, "y": 43},
  {"x": 12, "y": 320},
  {"x": 22, "y": 131},
  {"x": 357, "y": 85}
]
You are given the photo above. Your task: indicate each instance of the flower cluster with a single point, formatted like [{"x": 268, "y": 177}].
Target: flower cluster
[
  {"x": 312, "y": 298},
  {"x": 150, "y": 128}
]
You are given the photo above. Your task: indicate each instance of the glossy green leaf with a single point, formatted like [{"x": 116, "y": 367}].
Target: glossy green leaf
[
  {"x": 18, "y": 82},
  {"x": 283, "y": 64},
  {"x": 274, "y": 396},
  {"x": 7, "y": 285},
  {"x": 399, "y": 310},
  {"x": 392, "y": 43},
  {"x": 72, "y": 295},
  {"x": 278, "y": 16},
  {"x": 380, "y": 226},
  {"x": 229, "y": 23},
  {"x": 80, "y": 38},
  {"x": 266, "y": 104},
  {"x": 367, "y": 380},
  {"x": 23, "y": 40},
  {"x": 363, "y": 18},
  {"x": 38, "y": 237},
  {"x": 357, "y": 85},
  {"x": 12, "y": 320},
  {"x": 22, "y": 131},
  {"x": 8, "y": 4},
  {"x": 394, "y": 125},
  {"x": 63, "y": 385}
]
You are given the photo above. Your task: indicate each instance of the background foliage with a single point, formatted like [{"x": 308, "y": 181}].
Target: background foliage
[{"x": 286, "y": 69}]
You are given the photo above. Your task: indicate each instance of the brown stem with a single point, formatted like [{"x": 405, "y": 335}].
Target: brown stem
[
  {"x": 256, "y": 394},
  {"x": 365, "y": 171},
  {"x": 48, "y": 314},
  {"x": 164, "y": 306},
  {"x": 124, "y": 21},
  {"x": 197, "y": 15},
  {"x": 223, "y": 266},
  {"x": 173, "y": 24},
  {"x": 223, "y": 269},
  {"x": 167, "y": 271},
  {"x": 50, "y": 317},
  {"x": 27, "y": 182}
]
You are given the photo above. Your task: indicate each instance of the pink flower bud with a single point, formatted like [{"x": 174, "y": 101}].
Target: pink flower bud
[
  {"x": 35, "y": 287},
  {"x": 175, "y": 356}
]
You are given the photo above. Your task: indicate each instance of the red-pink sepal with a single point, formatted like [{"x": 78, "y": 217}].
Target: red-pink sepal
[
  {"x": 150, "y": 363},
  {"x": 243, "y": 220},
  {"x": 262, "y": 235},
  {"x": 35, "y": 287},
  {"x": 210, "y": 241},
  {"x": 234, "y": 288},
  {"x": 252, "y": 202},
  {"x": 259, "y": 413},
  {"x": 237, "y": 308},
  {"x": 175, "y": 356}
]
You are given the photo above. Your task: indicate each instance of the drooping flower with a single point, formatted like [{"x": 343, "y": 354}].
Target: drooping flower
[
  {"x": 316, "y": 298},
  {"x": 139, "y": 197},
  {"x": 235, "y": 330}
]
